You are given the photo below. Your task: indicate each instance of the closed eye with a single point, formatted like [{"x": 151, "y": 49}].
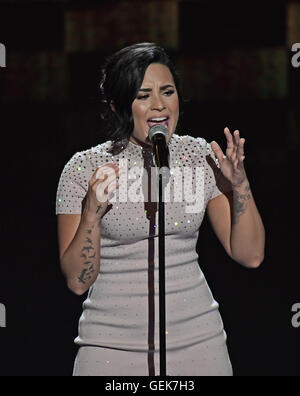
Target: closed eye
[
  {"x": 167, "y": 93},
  {"x": 142, "y": 97}
]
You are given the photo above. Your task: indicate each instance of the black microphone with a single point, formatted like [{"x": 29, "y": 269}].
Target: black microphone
[{"x": 158, "y": 134}]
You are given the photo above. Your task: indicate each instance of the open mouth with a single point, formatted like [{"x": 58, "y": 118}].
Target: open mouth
[{"x": 158, "y": 120}]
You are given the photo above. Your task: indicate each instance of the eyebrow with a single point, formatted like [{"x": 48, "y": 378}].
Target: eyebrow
[{"x": 161, "y": 88}]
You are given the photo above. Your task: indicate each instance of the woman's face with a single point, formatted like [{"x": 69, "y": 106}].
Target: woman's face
[{"x": 156, "y": 103}]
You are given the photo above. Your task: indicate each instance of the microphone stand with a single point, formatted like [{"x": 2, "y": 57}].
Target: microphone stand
[
  {"x": 162, "y": 281},
  {"x": 164, "y": 174}
]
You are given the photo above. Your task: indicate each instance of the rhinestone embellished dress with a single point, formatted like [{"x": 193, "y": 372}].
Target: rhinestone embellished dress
[{"x": 119, "y": 326}]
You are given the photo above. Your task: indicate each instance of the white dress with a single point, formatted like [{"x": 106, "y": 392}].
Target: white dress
[{"x": 119, "y": 326}]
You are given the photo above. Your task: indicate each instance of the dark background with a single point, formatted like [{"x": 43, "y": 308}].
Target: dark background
[{"x": 234, "y": 60}]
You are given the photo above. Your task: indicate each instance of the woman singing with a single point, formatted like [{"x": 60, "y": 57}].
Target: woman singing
[{"x": 108, "y": 233}]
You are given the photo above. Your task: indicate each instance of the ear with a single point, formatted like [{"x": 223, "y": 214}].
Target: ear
[{"x": 112, "y": 105}]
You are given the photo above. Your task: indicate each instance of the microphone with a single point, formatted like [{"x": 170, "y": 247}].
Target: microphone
[{"x": 158, "y": 134}]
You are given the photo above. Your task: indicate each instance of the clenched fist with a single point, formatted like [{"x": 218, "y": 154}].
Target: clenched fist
[{"x": 102, "y": 183}]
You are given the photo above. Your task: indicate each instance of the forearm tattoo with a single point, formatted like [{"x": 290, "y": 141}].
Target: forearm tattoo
[
  {"x": 88, "y": 254},
  {"x": 98, "y": 209},
  {"x": 240, "y": 203}
]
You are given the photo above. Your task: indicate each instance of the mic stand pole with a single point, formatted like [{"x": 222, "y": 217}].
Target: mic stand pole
[{"x": 162, "y": 282}]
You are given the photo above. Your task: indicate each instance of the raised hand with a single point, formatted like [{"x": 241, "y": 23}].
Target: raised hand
[
  {"x": 232, "y": 164},
  {"x": 103, "y": 181}
]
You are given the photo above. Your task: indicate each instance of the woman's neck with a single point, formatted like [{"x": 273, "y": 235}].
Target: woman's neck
[{"x": 138, "y": 142}]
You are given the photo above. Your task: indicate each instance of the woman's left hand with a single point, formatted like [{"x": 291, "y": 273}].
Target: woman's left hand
[{"x": 232, "y": 165}]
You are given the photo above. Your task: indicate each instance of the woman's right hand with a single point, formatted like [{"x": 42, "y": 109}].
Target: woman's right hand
[{"x": 101, "y": 183}]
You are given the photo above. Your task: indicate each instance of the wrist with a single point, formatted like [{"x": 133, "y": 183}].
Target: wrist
[
  {"x": 241, "y": 187},
  {"x": 90, "y": 219}
]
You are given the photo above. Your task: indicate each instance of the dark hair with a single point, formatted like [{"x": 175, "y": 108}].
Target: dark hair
[{"x": 122, "y": 77}]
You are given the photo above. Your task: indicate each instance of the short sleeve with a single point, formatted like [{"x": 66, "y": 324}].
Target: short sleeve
[
  {"x": 215, "y": 192},
  {"x": 208, "y": 159},
  {"x": 73, "y": 185}
]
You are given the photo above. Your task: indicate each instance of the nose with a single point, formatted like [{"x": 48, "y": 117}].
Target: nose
[{"x": 158, "y": 103}]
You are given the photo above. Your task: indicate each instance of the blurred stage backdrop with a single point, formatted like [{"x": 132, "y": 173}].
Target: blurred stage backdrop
[{"x": 234, "y": 59}]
